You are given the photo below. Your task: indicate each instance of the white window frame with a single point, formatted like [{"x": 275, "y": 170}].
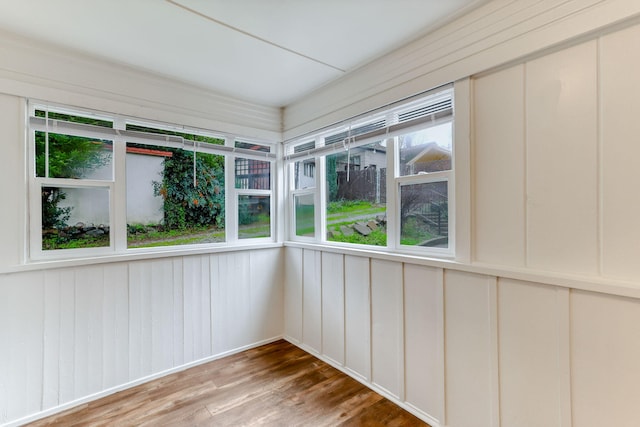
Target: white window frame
[
  {"x": 390, "y": 132},
  {"x": 117, "y": 184}
]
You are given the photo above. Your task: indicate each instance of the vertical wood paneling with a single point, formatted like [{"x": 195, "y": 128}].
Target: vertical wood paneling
[
  {"x": 21, "y": 320},
  {"x": 67, "y": 334},
  {"x": 333, "y": 306},
  {"x": 424, "y": 340},
  {"x": 620, "y": 110},
  {"x": 387, "y": 354},
  {"x": 161, "y": 323},
  {"x": 357, "y": 302},
  {"x": 312, "y": 299},
  {"x": 197, "y": 307},
  {"x": 605, "y": 349},
  {"x": 562, "y": 161},
  {"x": 471, "y": 350},
  {"x": 89, "y": 347},
  {"x": 139, "y": 327},
  {"x": 531, "y": 326},
  {"x": 266, "y": 307},
  {"x": 178, "y": 312},
  {"x": 230, "y": 304},
  {"x": 116, "y": 325},
  {"x": 51, "y": 333},
  {"x": 293, "y": 294},
  {"x": 499, "y": 168}
]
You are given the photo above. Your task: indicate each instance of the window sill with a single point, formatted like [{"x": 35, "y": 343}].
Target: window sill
[
  {"x": 132, "y": 255},
  {"x": 606, "y": 285}
]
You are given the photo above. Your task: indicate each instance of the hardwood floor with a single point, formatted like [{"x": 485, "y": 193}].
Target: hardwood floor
[{"x": 274, "y": 385}]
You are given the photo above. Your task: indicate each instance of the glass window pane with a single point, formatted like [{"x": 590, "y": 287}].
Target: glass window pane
[
  {"x": 427, "y": 150},
  {"x": 73, "y": 157},
  {"x": 253, "y": 174},
  {"x": 253, "y": 146},
  {"x": 254, "y": 216},
  {"x": 304, "y": 174},
  {"x": 356, "y": 195},
  {"x": 75, "y": 218},
  {"x": 87, "y": 120},
  {"x": 305, "y": 215},
  {"x": 165, "y": 206},
  {"x": 424, "y": 215},
  {"x": 188, "y": 136}
]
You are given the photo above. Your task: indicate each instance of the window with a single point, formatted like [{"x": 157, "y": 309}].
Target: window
[
  {"x": 386, "y": 179},
  {"x": 175, "y": 195},
  {"x": 101, "y": 184}
]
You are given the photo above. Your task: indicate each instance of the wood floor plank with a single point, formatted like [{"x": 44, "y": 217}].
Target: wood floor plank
[{"x": 277, "y": 384}]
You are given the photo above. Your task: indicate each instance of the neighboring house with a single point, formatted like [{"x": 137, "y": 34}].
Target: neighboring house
[{"x": 431, "y": 158}]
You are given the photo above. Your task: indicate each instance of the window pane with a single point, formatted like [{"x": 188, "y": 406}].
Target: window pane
[
  {"x": 254, "y": 216},
  {"x": 253, "y": 146},
  {"x": 424, "y": 215},
  {"x": 305, "y": 214},
  {"x": 428, "y": 150},
  {"x": 188, "y": 136},
  {"x": 356, "y": 195},
  {"x": 87, "y": 120},
  {"x": 75, "y": 218},
  {"x": 304, "y": 174},
  {"x": 73, "y": 157},
  {"x": 165, "y": 206},
  {"x": 253, "y": 174}
]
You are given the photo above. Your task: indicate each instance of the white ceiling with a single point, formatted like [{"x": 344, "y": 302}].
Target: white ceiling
[{"x": 270, "y": 52}]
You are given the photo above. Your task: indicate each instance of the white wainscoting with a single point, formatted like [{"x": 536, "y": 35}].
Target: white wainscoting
[
  {"x": 72, "y": 334},
  {"x": 464, "y": 349}
]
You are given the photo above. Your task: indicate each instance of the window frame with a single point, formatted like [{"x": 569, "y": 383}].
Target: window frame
[
  {"x": 116, "y": 186},
  {"x": 392, "y": 129}
]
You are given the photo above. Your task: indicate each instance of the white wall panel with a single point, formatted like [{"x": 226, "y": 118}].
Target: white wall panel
[
  {"x": 197, "y": 303},
  {"x": 471, "y": 350},
  {"x": 89, "y": 348},
  {"x": 605, "y": 349},
  {"x": 357, "y": 300},
  {"x": 333, "y": 306},
  {"x": 160, "y": 323},
  {"x": 387, "y": 355},
  {"x": 312, "y": 299},
  {"x": 424, "y": 339},
  {"x": 230, "y": 304},
  {"x": 620, "y": 91},
  {"x": 562, "y": 161},
  {"x": 67, "y": 334},
  {"x": 70, "y": 333},
  {"x": 534, "y": 366},
  {"x": 116, "y": 321},
  {"x": 12, "y": 182},
  {"x": 139, "y": 319},
  {"x": 178, "y": 312},
  {"x": 266, "y": 308},
  {"x": 293, "y": 294},
  {"x": 21, "y": 323},
  {"x": 499, "y": 168}
]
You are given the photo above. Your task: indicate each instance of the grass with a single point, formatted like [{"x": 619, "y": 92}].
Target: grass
[{"x": 151, "y": 236}]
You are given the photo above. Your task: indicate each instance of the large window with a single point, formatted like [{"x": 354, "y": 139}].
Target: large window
[
  {"x": 105, "y": 184},
  {"x": 386, "y": 179}
]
